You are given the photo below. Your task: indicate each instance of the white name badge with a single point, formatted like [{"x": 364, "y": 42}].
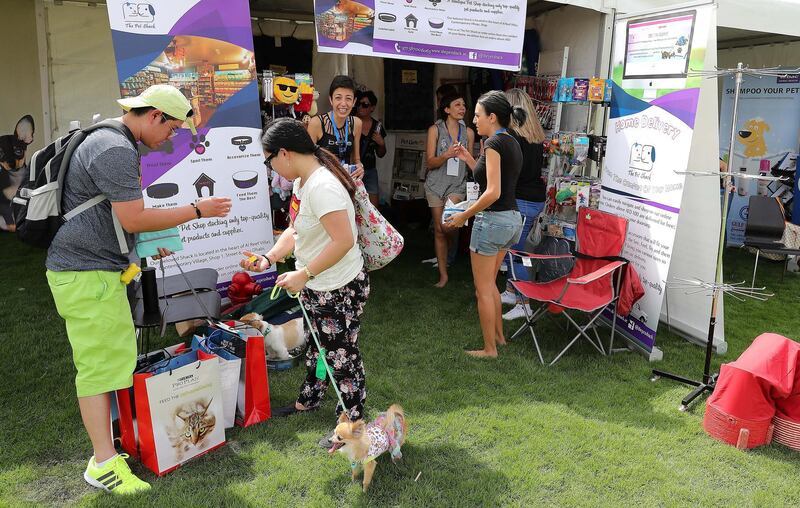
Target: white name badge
[
  {"x": 452, "y": 167},
  {"x": 473, "y": 191}
]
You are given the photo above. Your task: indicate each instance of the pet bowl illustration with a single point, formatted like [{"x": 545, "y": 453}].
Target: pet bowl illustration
[
  {"x": 387, "y": 17},
  {"x": 162, "y": 190},
  {"x": 436, "y": 23},
  {"x": 245, "y": 179}
]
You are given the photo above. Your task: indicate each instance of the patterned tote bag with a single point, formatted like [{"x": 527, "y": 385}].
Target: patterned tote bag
[{"x": 379, "y": 241}]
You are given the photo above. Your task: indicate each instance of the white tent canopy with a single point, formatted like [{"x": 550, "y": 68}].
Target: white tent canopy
[{"x": 771, "y": 16}]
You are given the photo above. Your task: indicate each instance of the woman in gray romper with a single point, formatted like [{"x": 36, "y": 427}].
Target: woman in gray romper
[{"x": 446, "y": 175}]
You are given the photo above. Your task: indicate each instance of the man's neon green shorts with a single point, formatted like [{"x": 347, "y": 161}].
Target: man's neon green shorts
[{"x": 95, "y": 306}]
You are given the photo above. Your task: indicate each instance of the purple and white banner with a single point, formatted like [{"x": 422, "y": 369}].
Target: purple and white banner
[
  {"x": 465, "y": 32},
  {"x": 650, "y": 130},
  {"x": 205, "y": 49}
]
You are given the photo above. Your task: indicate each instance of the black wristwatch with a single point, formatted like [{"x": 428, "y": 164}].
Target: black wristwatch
[{"x": 197, "y": 211}]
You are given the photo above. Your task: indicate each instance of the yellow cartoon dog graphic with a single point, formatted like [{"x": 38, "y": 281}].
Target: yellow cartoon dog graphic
[{"x": 752, "y": 137}]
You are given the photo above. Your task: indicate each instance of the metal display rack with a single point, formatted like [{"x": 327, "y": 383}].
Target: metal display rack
[{"x": 718, "y": 286}]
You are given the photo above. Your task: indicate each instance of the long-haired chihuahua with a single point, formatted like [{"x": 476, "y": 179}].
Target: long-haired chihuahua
[{"x": 362, "y": 443}]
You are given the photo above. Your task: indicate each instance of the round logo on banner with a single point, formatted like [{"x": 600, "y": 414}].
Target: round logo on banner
[{"x": 744, "y": 212}]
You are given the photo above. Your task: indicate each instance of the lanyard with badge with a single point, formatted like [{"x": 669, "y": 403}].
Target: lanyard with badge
[
  {"x": 453, "y": 163},
  {"x": 341, "y": 143}
]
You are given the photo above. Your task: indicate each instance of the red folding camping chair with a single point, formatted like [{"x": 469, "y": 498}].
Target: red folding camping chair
[{"x": 591, "y": 286}]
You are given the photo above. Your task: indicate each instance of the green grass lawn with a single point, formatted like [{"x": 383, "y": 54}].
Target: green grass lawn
[{"x": 591, "y": 431}]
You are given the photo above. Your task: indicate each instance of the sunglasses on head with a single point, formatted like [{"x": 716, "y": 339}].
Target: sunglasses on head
[{"x": 291, "y": 88}]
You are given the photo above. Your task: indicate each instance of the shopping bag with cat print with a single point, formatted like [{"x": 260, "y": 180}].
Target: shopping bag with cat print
[
  {"x": 179, "y": 410},
  {"x": 253, "y": 403},
  {"x": 230, "y": 367},
  {"x": 123, "y": 421}
]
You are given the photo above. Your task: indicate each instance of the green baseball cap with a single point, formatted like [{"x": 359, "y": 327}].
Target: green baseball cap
[{"x": 165, "y": 98}]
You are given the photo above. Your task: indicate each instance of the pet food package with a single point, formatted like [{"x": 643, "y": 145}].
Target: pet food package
[
  {"x": 569, "y": 88},
  {"x": 230, "y": 368},
  {"x": 597, "y": 87},
  {"x": 581, "y": 149},
  {"x": 563, "y": 91},
  {"x": 580, "y": 91},
  {"x": 252, "y": 404},
  {"x": 179, "y": 411}
]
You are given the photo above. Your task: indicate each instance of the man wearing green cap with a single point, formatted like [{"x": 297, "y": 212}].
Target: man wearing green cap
[{"x": 84, "y": 263}]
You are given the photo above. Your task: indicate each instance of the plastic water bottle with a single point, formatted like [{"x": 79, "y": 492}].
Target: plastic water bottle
[{"x": 741, "y": 183}]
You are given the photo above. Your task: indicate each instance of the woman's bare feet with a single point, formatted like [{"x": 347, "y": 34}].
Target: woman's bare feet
[
  {"x": 482, "y": 354},
  {"x": 442, "y": 282},
  {"x": 500, "y": 341}
]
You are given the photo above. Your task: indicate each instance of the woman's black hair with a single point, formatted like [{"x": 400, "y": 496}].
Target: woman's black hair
[
  {"x": 497, "y": 103},
  {"x": 445, "y": 103},
  {"x": 370, "y": 95},
  {"x": 446, "y": 89},
  {"x": 342, "y": 81},
  {"x": 291, "y": 135}
]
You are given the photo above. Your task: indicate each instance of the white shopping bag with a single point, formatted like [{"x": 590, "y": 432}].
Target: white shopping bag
[{"x": 230, "y": 367}]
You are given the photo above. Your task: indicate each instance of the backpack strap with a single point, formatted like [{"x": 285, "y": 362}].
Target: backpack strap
[
  {"x": 117, "y": 126},
  {"x": 84, "y": 206},
  {"x": 76, "y": 140}
]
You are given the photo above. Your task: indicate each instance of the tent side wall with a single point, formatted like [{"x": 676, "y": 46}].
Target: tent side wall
[
  {"x": 768, "y": 55},
  {"x": 83, "y": 70},
  {"x": 20, "y": 91}
]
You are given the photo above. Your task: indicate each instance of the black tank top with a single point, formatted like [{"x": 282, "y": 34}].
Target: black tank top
[{"x": 341, "y": 146}]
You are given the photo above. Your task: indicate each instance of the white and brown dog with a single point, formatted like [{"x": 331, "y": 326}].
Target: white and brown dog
[
  {"x": 278, "y": 339},
  {"x": 362, "y": 443}
]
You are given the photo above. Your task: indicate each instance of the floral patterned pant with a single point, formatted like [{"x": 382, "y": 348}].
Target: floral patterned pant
[{"x": 336, "y": 318}]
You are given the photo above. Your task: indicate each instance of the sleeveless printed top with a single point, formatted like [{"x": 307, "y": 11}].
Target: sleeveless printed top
[{"x": 342, "y": 146}]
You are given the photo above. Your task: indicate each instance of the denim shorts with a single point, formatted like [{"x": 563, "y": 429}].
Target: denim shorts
[
  {"x": 370, "y": 180},
  {"x": 495, "y": 231}
]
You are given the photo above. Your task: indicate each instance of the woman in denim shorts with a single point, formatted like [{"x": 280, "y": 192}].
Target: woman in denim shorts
[{"x": 498, "y": 223}]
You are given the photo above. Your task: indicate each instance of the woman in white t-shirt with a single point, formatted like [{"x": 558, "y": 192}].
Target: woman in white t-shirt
[{"x": 330, "y": 268}]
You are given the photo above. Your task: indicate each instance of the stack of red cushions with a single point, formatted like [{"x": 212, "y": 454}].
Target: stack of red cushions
[{"x": 741, "y": 410}]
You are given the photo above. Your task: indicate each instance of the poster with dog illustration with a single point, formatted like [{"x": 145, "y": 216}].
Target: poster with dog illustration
[
  {"x": 13, "y": 167},
  {"x": 766, "y": 141}
]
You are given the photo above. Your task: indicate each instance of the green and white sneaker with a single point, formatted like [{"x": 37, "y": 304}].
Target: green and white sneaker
[{"x": 115, "y": 476}]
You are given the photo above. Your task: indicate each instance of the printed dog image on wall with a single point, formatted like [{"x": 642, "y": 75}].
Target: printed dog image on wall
[
  {"x": 13, "y": 169},
  {"x": 752, "y": 137}
]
